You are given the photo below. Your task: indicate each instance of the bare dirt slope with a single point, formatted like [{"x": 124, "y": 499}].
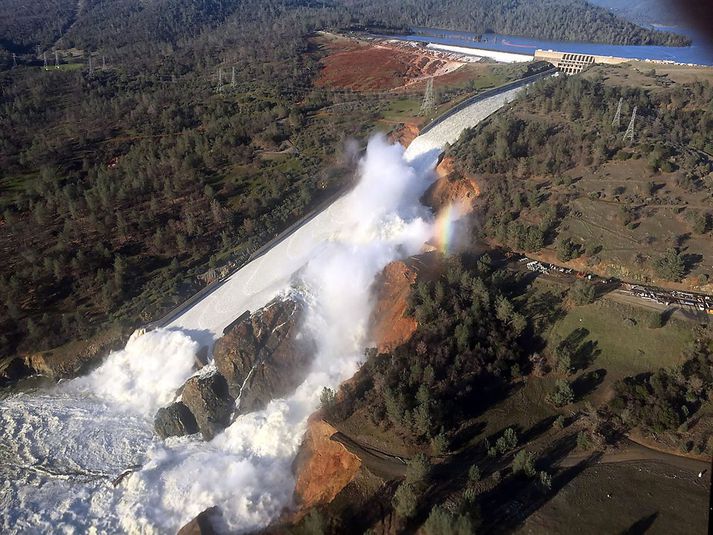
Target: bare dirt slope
[{"x": 364, "y": 66}]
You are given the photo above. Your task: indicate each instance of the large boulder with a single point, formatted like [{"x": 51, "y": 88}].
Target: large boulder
[
  {"x": 263, "y": 356},
  {"x": 175, "y": 420},
  {"x": 208, "y": 398},
  {"x": 204, "y": 524}
]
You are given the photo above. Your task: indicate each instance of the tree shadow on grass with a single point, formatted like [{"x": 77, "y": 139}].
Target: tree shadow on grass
[
  {"x": 691, "y": 260},
  {"x": 585, "y": 355},
  {"x": 509, "y": 504},
  {"x": 642, "y": 525},
  {"x": 586, "y": 383}
]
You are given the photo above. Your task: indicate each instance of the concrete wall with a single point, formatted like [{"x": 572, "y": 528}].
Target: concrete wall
[
  {"x": 505, "y": 57},
  {"x": 571, "y": 63}
]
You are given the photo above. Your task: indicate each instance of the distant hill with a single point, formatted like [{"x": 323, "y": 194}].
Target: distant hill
[{"x": 645, "y": 11}]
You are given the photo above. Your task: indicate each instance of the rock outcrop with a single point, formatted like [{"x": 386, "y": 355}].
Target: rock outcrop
[
  {"x": 208, "y": 399},
  {"x": 263, "y": 356},
  {"x": 323, "y": 467},
  {"x": 260, "y": 357},
  {"x": 175, "y": 420},
  {"x": 204, "y": 524}
]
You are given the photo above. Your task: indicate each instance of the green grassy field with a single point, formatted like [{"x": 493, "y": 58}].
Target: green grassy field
[{"x": 620, "y": 340}]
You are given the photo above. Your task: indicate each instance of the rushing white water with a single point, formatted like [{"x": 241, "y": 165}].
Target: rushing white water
[{"x": 62, "y": 447}]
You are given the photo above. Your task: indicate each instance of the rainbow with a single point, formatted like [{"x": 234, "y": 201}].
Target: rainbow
[{"x": 444, "y": 228}]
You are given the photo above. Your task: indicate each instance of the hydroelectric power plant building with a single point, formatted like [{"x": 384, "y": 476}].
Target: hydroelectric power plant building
[{"x": 570, "y": 63}]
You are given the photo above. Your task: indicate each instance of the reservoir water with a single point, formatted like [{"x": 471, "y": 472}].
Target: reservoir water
[{"x": 699, "y": 53}]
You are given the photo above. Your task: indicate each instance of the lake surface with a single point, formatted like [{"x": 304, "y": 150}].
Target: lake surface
[{"x": 699, "y": 53}]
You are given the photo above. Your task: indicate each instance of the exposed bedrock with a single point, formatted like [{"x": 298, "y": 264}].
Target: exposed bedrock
[
  {"x": 263, "y": 356},
  {"x": 208, "y": 399},
  {"x": 260, "y": 357},
  {"x": 175, "y": 420}
]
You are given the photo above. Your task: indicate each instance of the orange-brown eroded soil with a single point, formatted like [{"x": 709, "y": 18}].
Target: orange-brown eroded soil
[
  {"x": 362, "y": 66},
  {"x": 451, "y": 188},
  {"x": 323, "y": 466},
  {"x": 390, "y": 327}
]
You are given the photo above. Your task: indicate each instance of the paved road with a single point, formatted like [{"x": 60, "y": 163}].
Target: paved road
[{"x": 256, "y": 283}]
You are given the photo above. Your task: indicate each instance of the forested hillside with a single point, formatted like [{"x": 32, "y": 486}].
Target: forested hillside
[
  {"x": 123, "y": 182},
  {"x": 120, "y": 186},
  {"x": 574, "y": 20},
  {"x": 560, "y": 178}
]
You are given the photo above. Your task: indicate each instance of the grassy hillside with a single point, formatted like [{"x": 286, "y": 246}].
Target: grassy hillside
[{"x": 559, "y": 178}]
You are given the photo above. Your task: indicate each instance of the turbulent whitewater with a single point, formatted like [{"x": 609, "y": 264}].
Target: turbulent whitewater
[{"x": 61, "y": 448}]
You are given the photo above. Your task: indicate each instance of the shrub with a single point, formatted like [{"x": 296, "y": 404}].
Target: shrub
[
  {"x": 562, "y": 394},
  {"x": 545, "y": 480},
  {"x": 417, "y": 468},
  {"x": 583, "y": 293},
  {"x": 584, "y": 442},
  {"x": 567, "y": 249},
  {"x": 670, "y": 266},
  {"x": 405, "y": 501},
  {"x": 443, "y": 522},
  {"x": 524, "y": 462},
  {"x": 560, "y": 422},
  {"x": 474, "y": 473},
  {"x": 507, "y": 441}
]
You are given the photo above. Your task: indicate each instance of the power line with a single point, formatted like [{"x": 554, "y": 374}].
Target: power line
[
  {"x": 630, "y": 130},
  {"x": 617, "y": 116},
  {"x": 429, "y": 102}
]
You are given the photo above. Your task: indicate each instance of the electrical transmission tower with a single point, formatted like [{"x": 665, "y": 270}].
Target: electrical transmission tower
[
  {"x": 629, "y": 134},
  {"x": 429, "y": 102},
  {"x": 617, "y": 116}
]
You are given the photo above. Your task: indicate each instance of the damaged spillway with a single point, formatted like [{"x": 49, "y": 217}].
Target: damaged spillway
[{"x": 228, "y": 432}]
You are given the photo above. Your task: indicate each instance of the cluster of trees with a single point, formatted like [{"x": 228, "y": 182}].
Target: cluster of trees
[
  {"x": 466, "y": 349},
  {"x": 666, "y": 399},
  {"x": 566, "y": 122}
]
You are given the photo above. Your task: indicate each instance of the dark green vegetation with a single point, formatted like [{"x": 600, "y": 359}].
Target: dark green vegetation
[
  {"x": 127, "y": 23},
  {"x": 121, "y": 186},
  {"x": 498, "y": 414},
  {"x": 558, "y": 176},
  {"x": 666, "y": 400},
  {"x": 455, "y": 362},
  {"x": 545, "y": 19}
]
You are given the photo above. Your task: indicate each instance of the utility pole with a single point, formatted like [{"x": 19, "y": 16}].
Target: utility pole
[
  {"x": 14, "y": 60},
  {"x": 232, "y": 78},
  {"x": 91, "y": 65},
  {"x": 44, "y": 59},
  {"x": 429, "y": 103},
  {"x": 56, "y": 59},
  {"x": 103, "y": 62},
  {"x": 220, "y": 80},
  {"x": 630, "y": 131},
  {"x": 617, "y": 116}
]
